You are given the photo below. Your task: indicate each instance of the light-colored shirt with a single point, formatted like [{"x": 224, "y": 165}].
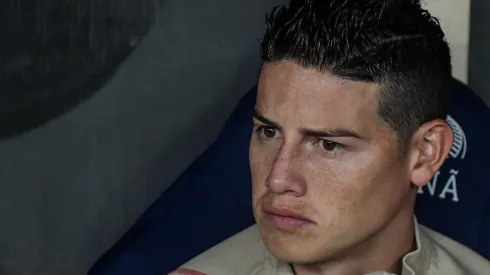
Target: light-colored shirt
[{"x": 245, "y": 254}]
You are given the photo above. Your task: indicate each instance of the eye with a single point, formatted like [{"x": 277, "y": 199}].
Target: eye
[
  {"x": 330, "y": 145},
  {"x": 266, "y": 131}
]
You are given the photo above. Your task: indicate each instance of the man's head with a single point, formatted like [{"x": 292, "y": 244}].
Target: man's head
[{"x": 349, "y": 121}]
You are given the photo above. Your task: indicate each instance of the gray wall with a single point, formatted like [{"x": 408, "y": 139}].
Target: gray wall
[
  {"x": 456, "y": 29},
  {"x": 479, "y": 58},
  {"x": 70, "y": 188}
]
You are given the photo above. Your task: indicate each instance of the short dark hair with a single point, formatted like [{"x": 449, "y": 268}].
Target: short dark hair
[{"x": 394, "y": 43}]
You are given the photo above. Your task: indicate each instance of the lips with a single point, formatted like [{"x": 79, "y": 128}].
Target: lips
[
  {"x": 284, "y": 212},
  {"x": 284, "y": 219}
]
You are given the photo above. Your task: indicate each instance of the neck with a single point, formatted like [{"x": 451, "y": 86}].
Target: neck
[{"x": 383, "y": 251}]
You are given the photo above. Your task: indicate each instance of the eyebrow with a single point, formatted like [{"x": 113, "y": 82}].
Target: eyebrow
[
  {"x": 265, "y": 120},
  {"x": 320, "y": 133}
]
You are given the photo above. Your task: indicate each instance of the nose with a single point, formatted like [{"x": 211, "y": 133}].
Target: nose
[{"x": 285, "y": 175}]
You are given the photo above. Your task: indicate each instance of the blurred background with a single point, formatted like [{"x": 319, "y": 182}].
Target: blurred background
[{"x": 103, "y": 103}]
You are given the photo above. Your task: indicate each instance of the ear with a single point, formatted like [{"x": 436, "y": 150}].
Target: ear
[{"x": 430, "y": 147}]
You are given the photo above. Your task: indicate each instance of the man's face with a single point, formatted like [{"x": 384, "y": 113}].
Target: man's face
[{"x": 326, "y": 170}]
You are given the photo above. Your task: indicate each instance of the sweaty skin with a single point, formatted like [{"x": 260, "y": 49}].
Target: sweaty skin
[{"x": 321, "y": 152}]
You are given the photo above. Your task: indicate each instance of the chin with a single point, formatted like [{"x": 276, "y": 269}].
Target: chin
[
  {"x": 291, "y": 248},
  {"x": 295, "y": 254},
  {"x": 290, "y": 256}
]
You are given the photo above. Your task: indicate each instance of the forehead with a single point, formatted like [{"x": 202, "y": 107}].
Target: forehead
[{"x": 289, "y": 92}]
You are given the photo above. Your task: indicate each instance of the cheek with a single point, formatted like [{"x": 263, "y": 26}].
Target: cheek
[
  {"x": 342, "y": 186},
  {"x": 261, "y": 162},
  {"x": 341, "y": 203},
  {"x": 262, "y": 156},
  {"x": 369, "y": 185}
]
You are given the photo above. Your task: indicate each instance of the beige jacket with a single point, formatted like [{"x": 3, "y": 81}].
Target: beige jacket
[{"x": 245, "y": 254}]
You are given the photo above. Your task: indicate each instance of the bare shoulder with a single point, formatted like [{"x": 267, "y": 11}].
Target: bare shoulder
[
  {"x": 244, "y": 253},
  {"x": 451, "y": 257}
]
